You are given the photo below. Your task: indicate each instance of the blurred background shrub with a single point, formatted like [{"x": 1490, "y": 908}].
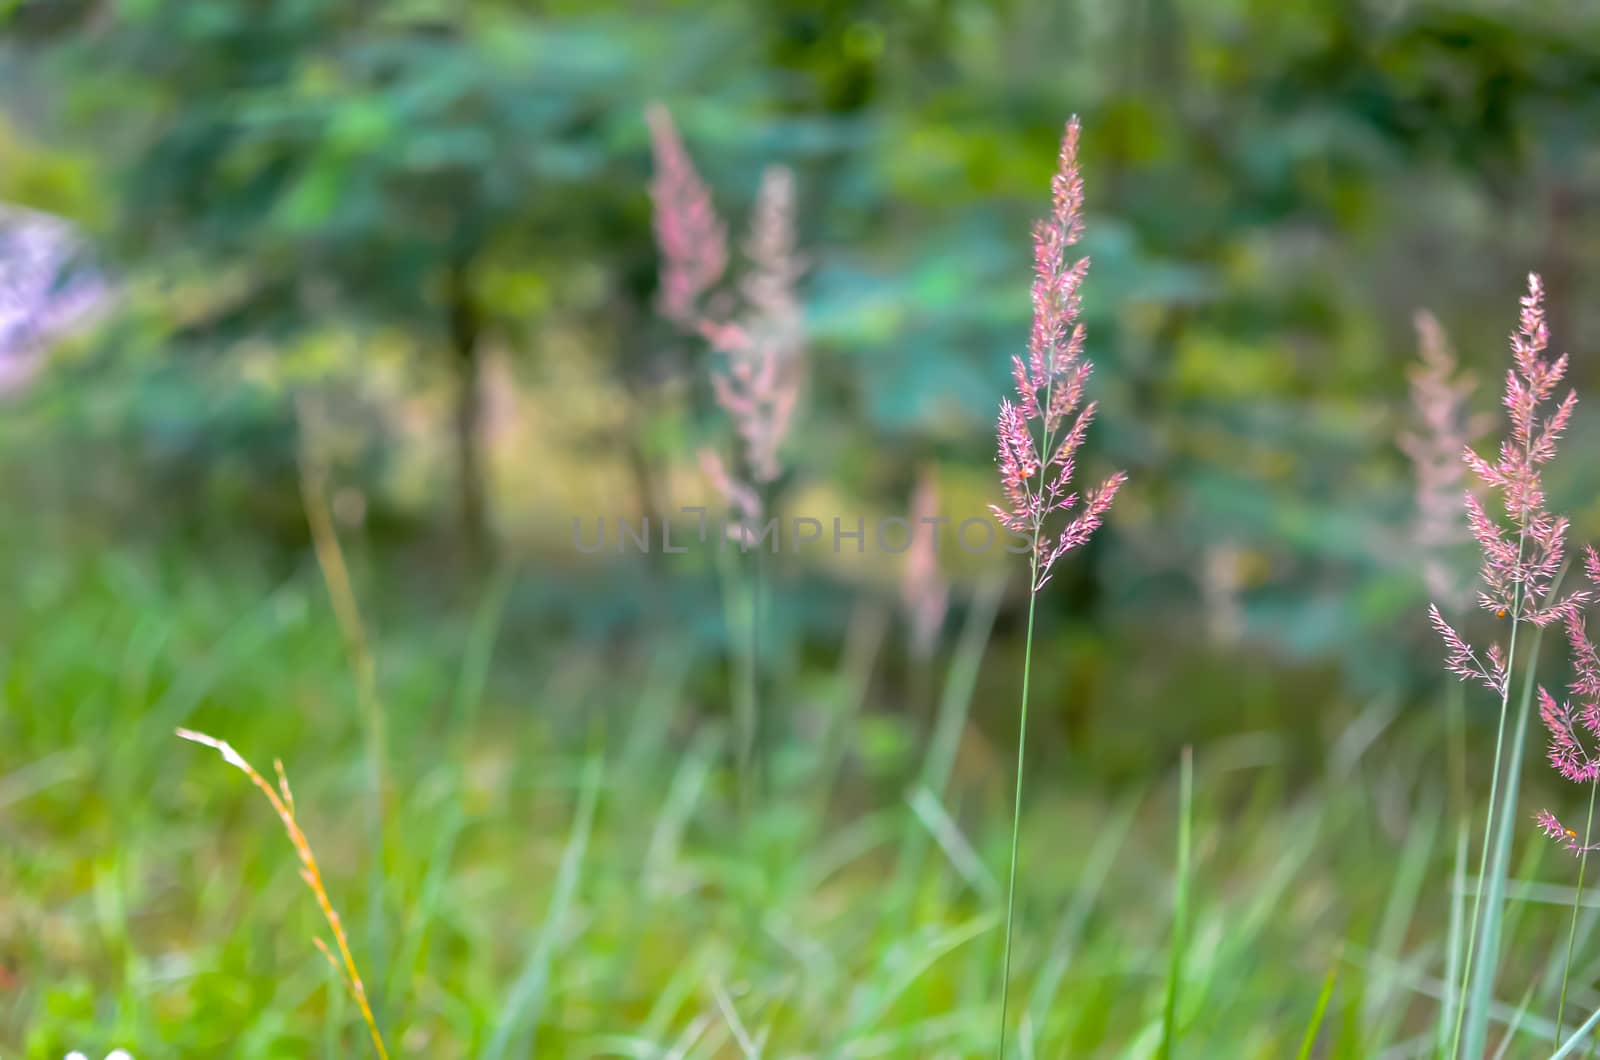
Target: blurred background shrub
[{"x": 431, "y": 219}]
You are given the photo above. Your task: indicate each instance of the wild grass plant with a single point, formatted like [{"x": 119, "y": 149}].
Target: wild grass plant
[
  {"x": 571, "y": 857},
  {"x": 282, "y": 800},
  {"x": 1039, "y": 437},
  {"x": 756, "y": 330},
  {"x": 1521, "y": 577},
  {"x": 604, "y": 879}
]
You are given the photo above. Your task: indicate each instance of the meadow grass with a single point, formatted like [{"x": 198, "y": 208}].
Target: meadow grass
[
  {"x": 568, "y": 872},
  {"x": 564, "y": 853}
]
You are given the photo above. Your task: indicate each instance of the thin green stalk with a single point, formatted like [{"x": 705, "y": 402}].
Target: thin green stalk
[
  {"x": 1483, "y": 857},
  {"x": 1180, "y": 906},
  {"x": 955, "y": 700},
  {"x": 363, "y": 662},
  {"x": 1456, "y": 726},
  {"x": 1016, "y": 807},
  {"x": 735, "y": 603},
  {"x": 1577, "y": 899},
  {"x": 961, "y": 680},
  {"x": 1514, "y": 1027},
  {"x": 1488, "y": 829},
  {"x": 1045, "y": 453},
  {"x": 1483, "y": 988},
  {"x": 1086, "y": 895},
  {"x": 759, "y": 735},
  {"x": 1577, "y": 1037},
  {"x": 517, "y": 1023},
  {"x": 1458, "y": 890},
  {"x": 481, "y": 636},
  {"x": 1310, "y": 1038},
  {"x": 1378, "y": 1011}
]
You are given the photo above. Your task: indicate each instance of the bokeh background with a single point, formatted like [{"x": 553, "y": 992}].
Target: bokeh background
[{"x": 242, "y": 239}]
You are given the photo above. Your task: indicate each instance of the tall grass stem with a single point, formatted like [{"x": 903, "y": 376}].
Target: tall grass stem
[
  {"x": 282, "y": 800},
  {"x": 1577, "y": 900},
  {"x": 1016, "y": 806},
  {"x": 1481, "y": 996},
  {"x": 1180, "y": 906},
  {"x": 1576, "y": 1038},
  {"x": 1488, "y": 833},
  {"x": 363, "y": 662},
  {"x": 1310, "y": 1039}
]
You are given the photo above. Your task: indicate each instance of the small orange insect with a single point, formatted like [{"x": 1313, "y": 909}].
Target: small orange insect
[
  {"x": 1500, "y": 613},
  {"x": 1570, "y": 833}
]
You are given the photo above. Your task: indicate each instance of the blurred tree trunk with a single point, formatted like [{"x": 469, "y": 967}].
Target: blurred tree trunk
[
  {"x": 636, "y": 363},
  {"x": 1561, "y": 262},
  {"x": 465, "y": 327}
]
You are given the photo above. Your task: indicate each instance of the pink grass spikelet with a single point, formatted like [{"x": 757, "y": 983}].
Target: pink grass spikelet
[
  {"x": 1521, "y": 558},
  {"x": 1463, "y": 661},
  {"x": 1574, "y": 749},
  {"x": 1566, "y": 751},
  {"x": 1586, "y": 666},
  {"x": 1520, "y": 561},
  {"x": 1561, "y": 833},
  {"x": 1037, "y": 437},
  {"x": 1036, "y": 459}
]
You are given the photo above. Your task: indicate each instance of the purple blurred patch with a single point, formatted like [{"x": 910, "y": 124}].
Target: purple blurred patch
[{"x": 46, "y": 290}]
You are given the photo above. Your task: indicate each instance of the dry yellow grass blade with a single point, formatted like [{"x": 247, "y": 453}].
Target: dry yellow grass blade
[{"x": 282, "y": 800}]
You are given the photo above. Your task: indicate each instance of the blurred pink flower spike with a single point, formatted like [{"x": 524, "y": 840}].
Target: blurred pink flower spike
[
  {"x": 924, "y": 593},
  {"x": 762, "y": 343},
  {"x": 692, "y": 240},
  {"x": 742, "y": 501},
  {"x": 1443, "y": 429},
  {"x": 761, "y": 385}
]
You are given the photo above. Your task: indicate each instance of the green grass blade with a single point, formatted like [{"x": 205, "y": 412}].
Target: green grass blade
[
  {"x": 1016, "y": 806},
  {"x": 1310, "y": 1037},
  {"x": 1180, "y": 905},
  {"x": 1481, "y": 990},
  {"x": 1096, "y": 869},
  {"x": 956, "y": 698},
  {"x": 1577, "y": 1037},
  {"x": 902, "y": 968},
  {"x": 1452, "y": 973},
  {"x": 955, "y": 702},
  {"x": 479, "y": 654},
  {"x": 1577, "y": 901},
  {"x": 527, "y": 993},
  {"x": 1517, "y": 1020},
  {"x": 931, "y": 814},
  {"x": 1397, "y": 917}
]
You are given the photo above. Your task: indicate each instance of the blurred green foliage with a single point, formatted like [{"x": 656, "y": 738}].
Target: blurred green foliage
[
  {"x": 397, "y": 208},
  {"x": 1273, "y": 187},
  {"x": 153, "y": 904}
]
